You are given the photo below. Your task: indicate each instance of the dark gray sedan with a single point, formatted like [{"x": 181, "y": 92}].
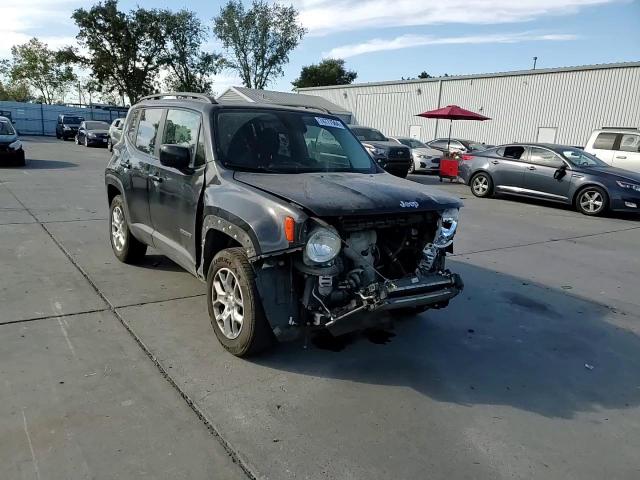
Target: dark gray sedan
[{"x": 552, "y": 172}]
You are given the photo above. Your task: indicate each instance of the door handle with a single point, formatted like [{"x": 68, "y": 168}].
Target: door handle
[
  {"x": 495, "y": 162},
  {"x": 156, "y": 178},
  {"x": 532, "y": 167},
  {"x": 621, "y": 157}
]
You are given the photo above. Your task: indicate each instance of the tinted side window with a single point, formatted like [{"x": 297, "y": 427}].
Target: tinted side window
[
  {"x": 439, "y": 144},
  {"x": 605, "y": 141},
  {"x": 148, "y": 130},
  {"x": 543, "y": 157},
  {"x": 514, "y": 152},
  {"x": 133, "y": 124},
  {"x": 181, "y": 128},
  {"x": 630, "y": 143}
]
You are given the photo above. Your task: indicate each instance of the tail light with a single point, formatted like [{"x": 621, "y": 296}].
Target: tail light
[{"x": 467, "y": 157}]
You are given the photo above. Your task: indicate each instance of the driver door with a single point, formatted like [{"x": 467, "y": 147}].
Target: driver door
[{"x": 539, "y": 175}]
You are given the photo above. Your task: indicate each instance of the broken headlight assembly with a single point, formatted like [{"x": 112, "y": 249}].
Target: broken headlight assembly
[
  {"x": 447, "y": 226},
  {"x": 322, "y": 246}
]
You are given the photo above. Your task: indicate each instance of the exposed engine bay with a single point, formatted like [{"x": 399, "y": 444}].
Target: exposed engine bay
[{"x": 353, "y": 265}]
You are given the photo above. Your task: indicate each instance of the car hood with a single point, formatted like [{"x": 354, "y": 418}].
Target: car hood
[
  {"x": 8, "y": 138},
  {"x": 336, "y": 194},
  {"x": 614, "y": 173},
  {"x": 385, "y": 145},
  {"x": 431, "y": 152}
]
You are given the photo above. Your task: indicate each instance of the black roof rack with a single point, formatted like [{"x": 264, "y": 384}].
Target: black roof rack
[{"x": 191, "y": 95}]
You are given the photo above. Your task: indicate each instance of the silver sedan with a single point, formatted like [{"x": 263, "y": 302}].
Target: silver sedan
[{"x": 425, "y": 158}]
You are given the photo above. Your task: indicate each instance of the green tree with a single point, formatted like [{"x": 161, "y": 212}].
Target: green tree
[
  {"x": 36, "y": 66},
  {"x": 330, "y": 71},
  {"x": 125, "y": 49},
  {"x": 424, "y": 75},
  {"x": 189, "y": 67},
  {"x": 258, "y": 40}
]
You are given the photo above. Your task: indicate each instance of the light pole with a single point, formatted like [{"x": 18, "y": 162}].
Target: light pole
[{"x": 535, "y": 60}]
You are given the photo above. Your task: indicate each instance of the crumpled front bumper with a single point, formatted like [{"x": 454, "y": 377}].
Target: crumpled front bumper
[{"x": 432, "y": 290}]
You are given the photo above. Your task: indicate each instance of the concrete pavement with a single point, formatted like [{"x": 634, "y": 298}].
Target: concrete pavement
[{"x": 495, "y": 386}]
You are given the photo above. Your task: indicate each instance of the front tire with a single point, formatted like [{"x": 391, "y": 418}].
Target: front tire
[
  {"x": 592, "y": 201},
  {"x": 412, "y": 168},
  {"x": 481, "y": 185},
  {"x": 86, "y": 142},
  {"x": 125, "y": 246},
  {"x": 234, "y": 305}
]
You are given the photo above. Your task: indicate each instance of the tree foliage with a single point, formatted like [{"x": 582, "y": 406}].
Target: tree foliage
[
  {"x": 125, "y": 49},
  {"x": 189, "y": 67},
  {"x": 330, "y": 71},
  {"x": 258, "y": 39},
  {"x": 36, "y": 66},
  {"x": 424, "y": 75}
]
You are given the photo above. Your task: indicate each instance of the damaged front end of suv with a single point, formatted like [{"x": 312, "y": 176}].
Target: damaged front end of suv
[{"x": 352, "y": 266}]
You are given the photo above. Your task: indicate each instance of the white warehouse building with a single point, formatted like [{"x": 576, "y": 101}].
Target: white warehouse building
[{"x": 555, "y": 105}]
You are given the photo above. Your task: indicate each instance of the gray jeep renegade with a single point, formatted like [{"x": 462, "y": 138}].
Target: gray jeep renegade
[{"x": 282, "y": 212}]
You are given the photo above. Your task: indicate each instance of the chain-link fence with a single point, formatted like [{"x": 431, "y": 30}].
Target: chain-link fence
[{"x": 41, "y": 119}]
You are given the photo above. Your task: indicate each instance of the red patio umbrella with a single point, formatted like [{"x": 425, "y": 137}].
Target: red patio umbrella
[{"x": 452, "y": 112}]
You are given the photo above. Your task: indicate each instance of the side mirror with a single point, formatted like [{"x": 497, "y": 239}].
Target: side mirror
[
  {"x": 175, "y": 156},
  {"x": 560, "y": 172}
]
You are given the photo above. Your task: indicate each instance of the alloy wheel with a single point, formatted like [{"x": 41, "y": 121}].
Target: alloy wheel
[
  {"x": 480, "y": 185},
  {"x": 591, "y": 201},
  {"x": 228, "y": 305},
  {"x": 117, "y": 228}
]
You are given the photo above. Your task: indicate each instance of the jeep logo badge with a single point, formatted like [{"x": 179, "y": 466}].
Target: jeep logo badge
[{"x": 409, "y": 204}]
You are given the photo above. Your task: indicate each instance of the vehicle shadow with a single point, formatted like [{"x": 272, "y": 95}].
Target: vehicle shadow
[
  {"x": 503, "y": 341},
  {"x": 37, "y": 164},
  {"x": 159, "y": 262}
]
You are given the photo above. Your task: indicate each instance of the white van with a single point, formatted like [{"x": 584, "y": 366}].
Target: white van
[{"x": 618, "y": 148}]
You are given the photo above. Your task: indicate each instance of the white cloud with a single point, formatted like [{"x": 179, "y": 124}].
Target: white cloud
[
  {"x": 25, "y": 19},
  {"x": 410, "y": 41},
  {"x": 327, "y": 16}
]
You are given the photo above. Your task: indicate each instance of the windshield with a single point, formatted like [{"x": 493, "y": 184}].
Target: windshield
[
  {"x": 369, "y": 134},
  {"x": 96, "y": 125},
  {"x": 412, "y": 143},
  {"x": 580, "y": 158},
  {"x": 287, "y": 142},
  {"x": 6, "y": 128},
  {"x": 72, "y": 120}
]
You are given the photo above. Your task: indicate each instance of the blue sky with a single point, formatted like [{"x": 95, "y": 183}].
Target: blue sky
[{"x": 387, "y": 40}]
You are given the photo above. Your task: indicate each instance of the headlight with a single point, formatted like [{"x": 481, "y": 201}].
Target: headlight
[
  {"x": 422, "y": 155},
  {"x": 447, "y": 226},
  {"x": 91, "y": 135},
  {"x": 374, "y": 150},
  {"x": 66, "y": 128},
  {"x": 323, "y": 246},
  {"x": 632, "y": 186},
  {"x": 17, "y": 145}
]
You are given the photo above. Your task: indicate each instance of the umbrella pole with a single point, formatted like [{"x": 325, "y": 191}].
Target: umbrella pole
[{"x": 449, "y": 140}]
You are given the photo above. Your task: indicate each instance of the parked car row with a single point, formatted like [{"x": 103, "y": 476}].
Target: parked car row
[{"x": 89, "y": 132}]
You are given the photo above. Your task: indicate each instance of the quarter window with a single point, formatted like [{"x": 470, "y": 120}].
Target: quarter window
[
  {"x": 544, "y": 157},
  {"x": 148, "y": 130},
  {"x": 514, "y": 152},
  {"x": 630, "y": 143},
  {"x": 133, "y": 123},
  {"x": 605, "y": 141}
]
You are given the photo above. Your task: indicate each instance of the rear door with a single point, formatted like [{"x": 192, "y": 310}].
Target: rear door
[
  {"x": 539, "y": 175},
  {"x": 604, "y": 145},
  {"x": 173, "y": 193},
  {"x": 627, "y": 155},
  {"x": 142, "y": 154},
  {"x": 507, "y": 166}
]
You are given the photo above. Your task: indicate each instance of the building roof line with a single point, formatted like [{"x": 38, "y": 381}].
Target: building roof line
[{"x": 540, "y": 71}]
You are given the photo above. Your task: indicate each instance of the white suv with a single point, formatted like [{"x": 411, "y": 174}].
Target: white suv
[{"x": 618, "y": 148}]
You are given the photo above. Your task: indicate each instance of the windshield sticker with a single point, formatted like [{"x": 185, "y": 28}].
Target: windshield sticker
[{"x": 329, "y": 122}]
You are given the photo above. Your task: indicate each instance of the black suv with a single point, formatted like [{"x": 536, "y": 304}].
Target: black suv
[
  {"x": 395, "y": 159},
  {"x": 289, "y": 237},
  {"x": 67, "y": 126}
]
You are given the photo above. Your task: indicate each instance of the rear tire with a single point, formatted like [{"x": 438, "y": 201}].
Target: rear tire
[
  {"x": 126, "y": 247},
  {"x": 592, "y": 201},
  {"x": 481, "y": 185},
  {"x": 235, "y": 309}
]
